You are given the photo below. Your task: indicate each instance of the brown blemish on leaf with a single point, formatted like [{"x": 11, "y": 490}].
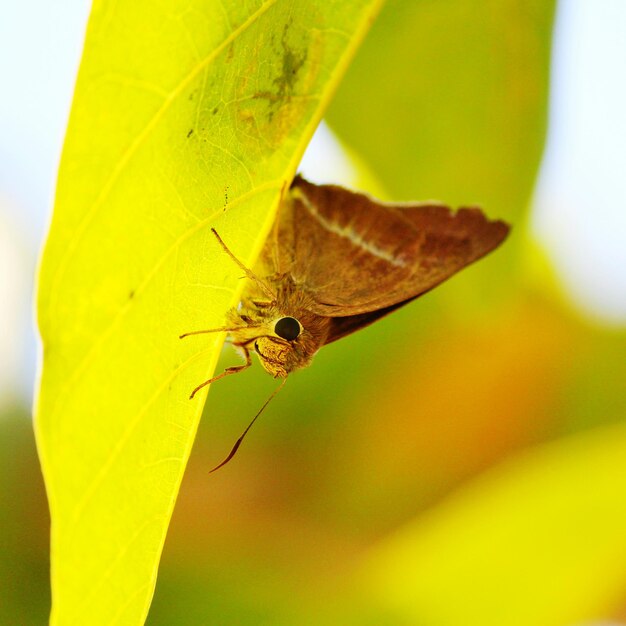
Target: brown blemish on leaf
[
  {"x": 293, "y": 61},
  {"x": 271, "y": 99},
  {"x": 230, "y": 53}
]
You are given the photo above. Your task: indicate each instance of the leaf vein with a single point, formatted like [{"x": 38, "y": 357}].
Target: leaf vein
[
  {"x": 102, "y": 337},
  {"x": 138, "y": 141},
  {"x": 80, "y": 505}
]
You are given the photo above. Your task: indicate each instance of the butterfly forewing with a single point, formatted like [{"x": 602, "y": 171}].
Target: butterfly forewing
[{"x": 355, "y": 256}]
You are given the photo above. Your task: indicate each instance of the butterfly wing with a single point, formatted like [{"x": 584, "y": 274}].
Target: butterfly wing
[{"x": 359, "y": 259}]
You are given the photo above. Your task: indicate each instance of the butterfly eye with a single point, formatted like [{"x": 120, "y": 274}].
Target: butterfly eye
[{"x": 288, "y": 328}]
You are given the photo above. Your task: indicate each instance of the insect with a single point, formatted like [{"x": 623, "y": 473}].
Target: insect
[{"x": 335, "y": 262}]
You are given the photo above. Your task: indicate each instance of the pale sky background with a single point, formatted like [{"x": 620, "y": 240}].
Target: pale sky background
[
  {"x": 580, "y": 204},
  {"x": 580, "y": 209}
]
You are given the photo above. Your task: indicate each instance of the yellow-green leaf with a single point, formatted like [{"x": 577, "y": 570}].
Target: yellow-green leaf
[
  {"x": 540, "y": 541},
  {"x": 186, "y": 116}
]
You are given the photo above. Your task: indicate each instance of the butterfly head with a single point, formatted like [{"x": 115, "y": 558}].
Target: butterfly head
[
  {"x": 284, "y": 338},
  {"x": 280, "y": 350}
]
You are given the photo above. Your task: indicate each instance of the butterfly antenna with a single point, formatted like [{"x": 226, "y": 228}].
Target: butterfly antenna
[
  {"x": 222, "y": 329},
  {"x": 245, "y": 432},
  {"x": 249, "y": 273}
]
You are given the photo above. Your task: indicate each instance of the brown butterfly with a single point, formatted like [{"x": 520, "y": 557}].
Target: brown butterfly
[{"x": 337, "y": 261}]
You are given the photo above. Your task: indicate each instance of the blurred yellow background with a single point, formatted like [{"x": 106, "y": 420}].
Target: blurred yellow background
[{"x": 462, "y": 461}]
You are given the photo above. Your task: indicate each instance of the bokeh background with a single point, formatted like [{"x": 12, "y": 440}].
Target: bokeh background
[{"x": 462, "y": 461}]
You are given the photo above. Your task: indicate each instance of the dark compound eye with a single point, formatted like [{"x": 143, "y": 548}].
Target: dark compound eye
[{"x": 288, "y": 328}]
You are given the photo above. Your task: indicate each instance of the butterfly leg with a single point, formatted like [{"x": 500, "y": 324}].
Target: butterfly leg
[{"x": 235, "y": 369}]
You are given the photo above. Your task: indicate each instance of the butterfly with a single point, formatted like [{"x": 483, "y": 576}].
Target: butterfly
[{"x": 337, "y": 261}]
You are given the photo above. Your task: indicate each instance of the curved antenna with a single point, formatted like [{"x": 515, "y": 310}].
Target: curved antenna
[
  {"x": 249, "y": 273},
  {"x": 245, "y": 432},
  {"x": 222, "y": 329}
]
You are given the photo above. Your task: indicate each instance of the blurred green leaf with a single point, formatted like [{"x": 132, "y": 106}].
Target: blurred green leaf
[
  {"x": 448, "y": 100},
  {"x": 593, "y": 393},
  {"x": 186, "y": 115},
  {"x": 539, "y": 541},
  {"x": 24, "y": 524}
]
